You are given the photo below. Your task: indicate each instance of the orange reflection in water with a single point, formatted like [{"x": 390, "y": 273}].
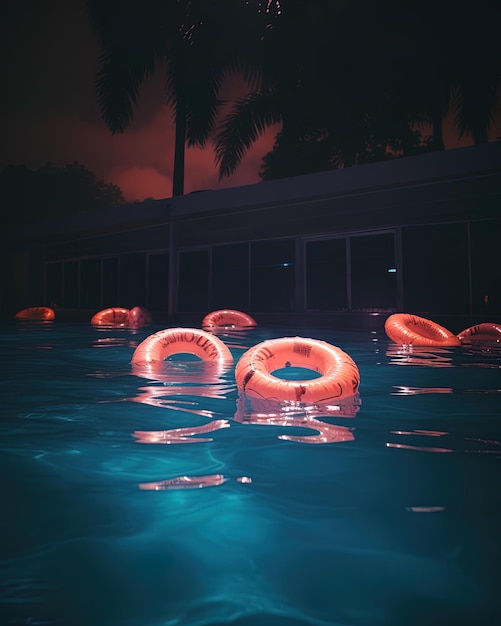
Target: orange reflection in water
[
  {"x": 185, "y": 482},
  {"x": 235, "y": 337},
  {"x": 115, "y": 342},
  {"x": 403, "y": 446},
  {"x": 427, "y": 433},
  {"x": 422, "y": 433},
  {"x": 191, "y": 372},
  {"x": 426, "y": 509},
  {"x": 165, "y": 396},
  {"x": 182, "y": 386},
  {"x": 413, "y": 391},
  {"x": 419, "y": 355},
  {"x": 178, "y": 385},
  {"x": 299, "y": 415},
  {"x": 180, "y": 435},
  {"x": 493, "y": 446}
]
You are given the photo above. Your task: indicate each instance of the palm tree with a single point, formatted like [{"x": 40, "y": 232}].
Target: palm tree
[
  {"x": 345, "y": 76},
  {"x": 284, "y": 54},
  {"x": 188, "y": 39},
  {"x": 317, "y": 86}
]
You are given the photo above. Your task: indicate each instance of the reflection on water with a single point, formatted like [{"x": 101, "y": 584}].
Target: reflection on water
[
  {"x": 420, "y": 355},
  {"x": 191, "y": 371},
  {"x": 116, "y": 342},
  {"x": 402, "y": 390},
  {"x": 182, "y": 385},
  {"x": 180, "y": 435},
  {"x": 299, "y": 415},
  {"x": 426, "y": 509},
  {"x": 403, "y": 446},
  {"x": 487, "y": 446},
  {"x": 185, "y": 482},
  {"x": 236, "y": 338},
  {"x": 485, "y": 355},
  {"x": 174, "y": 397},
  {"x": 186, "y": 385}
]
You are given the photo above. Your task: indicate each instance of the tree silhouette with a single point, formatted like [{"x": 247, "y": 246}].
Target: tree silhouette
[
  {"x": 352, "y": 79},
  {"x": 359, "y": 78},
  {"x": 195, "y": 42},
  {"x": 51, "y": 192}
]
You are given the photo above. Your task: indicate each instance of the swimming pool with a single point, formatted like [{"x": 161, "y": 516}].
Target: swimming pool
[{"x": 128, "y": 501}]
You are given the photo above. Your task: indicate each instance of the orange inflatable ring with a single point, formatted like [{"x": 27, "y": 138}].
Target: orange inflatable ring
[
  {"x": 43, "y": 313},
  {"x": 165, "y": 343},
  {"x": 113, "y": 316},
  {"x": 339, "y": 378},
  {"x": 487, "y": 331},
  {"x": 227, "y": 317},
  {"x": 139, "y": 316},
  {"x": 407, "y": 329}
]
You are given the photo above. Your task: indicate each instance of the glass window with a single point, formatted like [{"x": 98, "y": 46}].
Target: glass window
[
  {"x": 435, "y": 268},
  {"x": 110, "y": 282},
  {"x": 326, "y": 275},
  {"x": 90, "y": 284},
  {"x": 70, "y": 292},
  {"x": 54, "y": 284},
  {"x": 158, "y": 282},
  {"x": 272, "y": 276},
  {"x": 230, "y": 277},
  {"x": 133, "y": 280},
  {"x": 485, "y": 267},
  {"x": 373, "y": 281},
  {"x": 193, "y": 281}
]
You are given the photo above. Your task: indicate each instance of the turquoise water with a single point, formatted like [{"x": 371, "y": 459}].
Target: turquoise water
[{"x": 128, "y": 501}]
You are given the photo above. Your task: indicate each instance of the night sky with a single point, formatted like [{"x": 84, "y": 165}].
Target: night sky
[{"x": 49, "y": 110}]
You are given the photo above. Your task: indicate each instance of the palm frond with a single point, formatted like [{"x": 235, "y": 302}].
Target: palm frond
[
  {"x": 117, "y": 85},
  {"x": 133, "y": 41},
  {"x": 474, "y": 105},
  {"x": 249, "y": 118}
]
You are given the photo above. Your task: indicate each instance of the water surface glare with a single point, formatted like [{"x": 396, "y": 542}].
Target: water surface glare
[{"x": 133, "y": 499}]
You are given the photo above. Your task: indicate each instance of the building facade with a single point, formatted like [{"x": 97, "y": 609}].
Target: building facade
[{"x": 418, "y": 234}]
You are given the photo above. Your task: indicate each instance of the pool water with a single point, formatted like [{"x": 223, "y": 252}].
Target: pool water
[{"x": 129, "y": 501}]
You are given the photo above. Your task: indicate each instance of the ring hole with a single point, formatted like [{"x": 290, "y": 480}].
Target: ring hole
[
  {"x": 295, "y": 373},
  {"x": 183, "y": 356}
]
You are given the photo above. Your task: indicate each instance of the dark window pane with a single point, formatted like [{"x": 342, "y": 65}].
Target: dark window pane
[
  {"x": 62, "y": 250},
  {"x": 110, "y": 282},
  {"x": 90, "y": 284},
  {"x": 373, "y": 284},
  {"x": 70, "y": 295},
  {"x": 436, "y": 268},
  {"x": 54, "y": 284},
  {"x": 272, "y": 276},
  {"x": 230, "y": 277},
  {"x": 132, "y": 280},
  {"x": 326, "y": 275},
  {"x": 158, "y": 282},
  {"x": 486, "y": 268},
  {"x": 194, "y": 281}
]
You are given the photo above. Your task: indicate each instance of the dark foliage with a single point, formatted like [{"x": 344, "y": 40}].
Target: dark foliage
[{"x": 50, "y": 192}]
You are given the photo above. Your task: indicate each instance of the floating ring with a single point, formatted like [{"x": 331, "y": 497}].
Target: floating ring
[
  {"x": 339, "y": 378},
  {"x": 487, "y": 331},
  {"x": 113, "y": 316},
  {"x": 407, "y": 329},
  {"x": 43, "y": 313},
  {"x": 165, "y": 343},
  {"x": 139, "y": 316},
  {"x": 227, "y": 317}
]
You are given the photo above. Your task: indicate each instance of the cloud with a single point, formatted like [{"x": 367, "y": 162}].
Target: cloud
[
  {"x": 50, "y": 111},
  {"x": 141, "y": 182}
]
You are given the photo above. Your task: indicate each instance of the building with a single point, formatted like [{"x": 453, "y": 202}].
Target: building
[{"x": 417, "y": 234}]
